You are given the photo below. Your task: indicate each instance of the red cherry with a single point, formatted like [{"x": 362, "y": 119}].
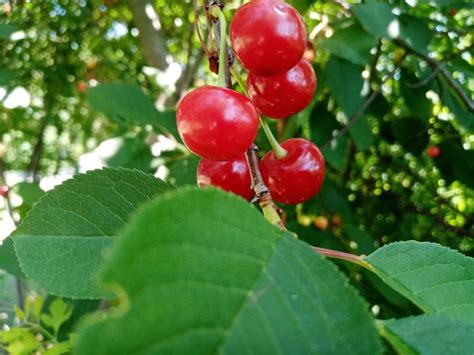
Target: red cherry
[
  {"x": 217, "y": 123},
  {"x": 434, "y": 152},
  {"x": 81, "y": 86},
  {"x": 268, "y": 36},
  {"x": 4, "y": 190},
  {"x": 231, "y": 175},
  {"x": 283, "y": 95},
  {"x": 296, "y": 177}
]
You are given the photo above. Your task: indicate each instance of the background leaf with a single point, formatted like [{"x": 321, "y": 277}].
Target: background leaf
[
  {"x": 62, "y": 240},
  {"x": 210, "y": 284},
  {"x": 437, "y": 279},
  {"x": 127, "y": 104},
  {"x": 431, "y": 335}
]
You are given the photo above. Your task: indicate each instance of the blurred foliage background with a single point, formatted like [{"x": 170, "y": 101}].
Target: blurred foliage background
[{"x": 86, "y": 84}]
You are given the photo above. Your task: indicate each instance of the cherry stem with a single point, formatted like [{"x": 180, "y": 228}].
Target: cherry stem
[
  {"x": 279, "y": 151},
  {"x": 218, "y": 13},
  {"x": 335, "y": 254}
]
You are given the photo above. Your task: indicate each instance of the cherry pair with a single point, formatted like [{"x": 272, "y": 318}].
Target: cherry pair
[
  {"x": 269, "y": 39},
  {"x": 291, "y": 180}
]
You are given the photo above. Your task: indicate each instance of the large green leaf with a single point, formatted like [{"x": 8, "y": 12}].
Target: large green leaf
[
  {"x": 215, "y": 277},
  {"x": 301, "y": 5},
  {"x": 62, "y": 240},
  {"x": 8, "y": 259},
  {"x": 415, "y": 32},
  {"x": 346, "y": 84},
  {"x": 377, "y": 18},
  {"x": 352, "y": 43},
  {"x": 361, "y": 133},
  {"x": 456, "y": 163},
  {"x": 127, "y": 104},
  {"x": 430, "y": 335},
  {"x": 6, "y": 30},
  {"x": 457, "y": 107},
  {"x": 437, "y": 279}
]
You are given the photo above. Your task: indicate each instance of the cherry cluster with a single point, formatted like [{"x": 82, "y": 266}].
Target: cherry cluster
[{"x": 219, "y": 124}]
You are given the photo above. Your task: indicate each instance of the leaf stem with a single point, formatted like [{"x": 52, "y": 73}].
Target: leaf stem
[{"x": 335, "y": 254}]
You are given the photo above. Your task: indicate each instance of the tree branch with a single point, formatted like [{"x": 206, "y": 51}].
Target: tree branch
[
  {"x": 439, "y": 68},
  {"x": 353, "y": 119},
  {"x": 148, "y": 23}
]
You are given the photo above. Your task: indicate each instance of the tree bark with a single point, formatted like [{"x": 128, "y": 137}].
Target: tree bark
[{"x": 152, "y": 40}]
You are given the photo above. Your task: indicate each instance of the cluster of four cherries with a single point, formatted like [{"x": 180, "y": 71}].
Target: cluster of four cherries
[{"x": 219, "y": 124}]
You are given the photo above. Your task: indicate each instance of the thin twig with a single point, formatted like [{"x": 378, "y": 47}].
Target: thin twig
[
  {"x": 443, "y": 71},
  {"x": 365, "y": 105}
]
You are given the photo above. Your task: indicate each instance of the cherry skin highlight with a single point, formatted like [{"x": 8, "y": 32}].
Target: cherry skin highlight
[
  {"x": 268, "y": 36},
  {"x": 298, "y": 176},
  {"x": 216, "y": 123},
  {"x": 230, "y": 175},
  {"x": 283, "y": 95}
]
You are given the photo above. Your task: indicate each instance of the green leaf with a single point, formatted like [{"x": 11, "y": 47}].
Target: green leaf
[
  {"x": 335, "y": 152},
  {"x": 30, "y": 193},
  {"x": 377, "y": 18},
  {"x": 183, "y": 171},
  {"x": 457, "y": 107},
  {"x": 61, "y": 242},
  {"x": 301, "y": 5},
  {"x": 414, "y": 96},
  {"x": 216, "y": 277},
  {"x": 8, "y": 259},
  {"x": 456, "y": 163},
  {"x": 415, "y": 32},
  {"x": 351, "y": 43},
  {"x": 437, "y": 279},
  {"x": 59, "y": 313},
  {"x": 127, "y": 104},
  {"x": 361, "y": 133},
  {"x": 132, "y": 153},
  {"x": 6, "y": 76},
  {"x": 411, "y": 133},
  {"x": 431, "y": 334},
  {"x": 6, "y": 30},
  {"x": 346, "y": 84}
]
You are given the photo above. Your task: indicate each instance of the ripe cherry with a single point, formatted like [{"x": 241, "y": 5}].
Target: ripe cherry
[
  {"x": 268, "y": 36},
  {"x": 217, "y": 123},
  {"x": 434, "y": 152},
  {"x": 4, "y": 191},
  {"x": 230, "y": 175},
  {"x": 296, "y": 177},
  {"x": 283, "y": 95},
  {"x": 81, "y": 86},
  {"x": 321, "y": 223}
]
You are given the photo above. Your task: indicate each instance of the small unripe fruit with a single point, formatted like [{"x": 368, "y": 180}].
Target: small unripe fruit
[
  {"x": 309, "y": 52},
  {"x": 434, "y": 152},
  {"x": 321, "y": 223},
  {"x": 336, "y": 220}
]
